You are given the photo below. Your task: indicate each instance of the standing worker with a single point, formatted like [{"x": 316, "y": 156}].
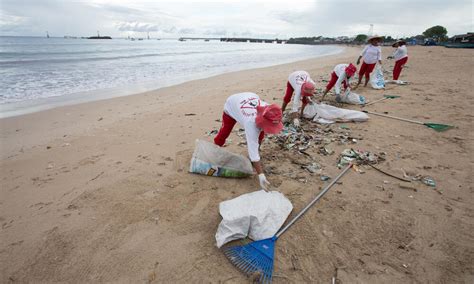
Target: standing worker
[
  {"x": 401, "y": 57},
  {"x": 302, "y": 85},
  {"x": 370, "y": 55},
  {"x": 257, "y": 118}
]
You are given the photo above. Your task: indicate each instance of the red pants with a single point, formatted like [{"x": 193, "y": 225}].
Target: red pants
[
  {"x": 398, "y": 67},
  {"x": 333, "y": 81},
  {"x": 289, "y": 94},
  {"x": 366, "y": 69},
  {"x": 227, "y": 124}
]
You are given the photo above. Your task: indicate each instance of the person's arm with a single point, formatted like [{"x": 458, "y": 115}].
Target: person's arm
[
  {"x": 296, "y": 102},
  {"x": 337, "y": 86},
  {"x": 251, "y": 135},
  {"x": 362, "y": 54}
]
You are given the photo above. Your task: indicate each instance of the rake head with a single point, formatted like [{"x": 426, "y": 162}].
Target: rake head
[
  {"x": 439, "y": 127},
  {"x": 391, "y": 96},
  {"x": 254, "y": 259}
]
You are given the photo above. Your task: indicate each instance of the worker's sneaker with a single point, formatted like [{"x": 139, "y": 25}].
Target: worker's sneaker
[{"x": 338, "y": 99}]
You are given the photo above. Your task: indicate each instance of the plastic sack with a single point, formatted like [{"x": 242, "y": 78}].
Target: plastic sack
[
  {"x": 258, "y": 215},
  {"x": 376, "y": 78},
  {"x": 326, "y": 114},
  {"x": 212, "y": 160},
  {"x": 353, "y": 98}
]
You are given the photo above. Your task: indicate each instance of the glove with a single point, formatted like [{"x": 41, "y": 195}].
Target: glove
[
  {"x": 264, "y": 184},
  {"x": 296, "y": 122}
]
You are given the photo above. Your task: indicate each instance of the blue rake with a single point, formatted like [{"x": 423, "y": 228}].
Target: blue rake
[{"x": 255, "y": 259}]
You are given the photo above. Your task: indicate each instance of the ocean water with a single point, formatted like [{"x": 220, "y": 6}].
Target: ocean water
[{"x": 37, "y": 73}]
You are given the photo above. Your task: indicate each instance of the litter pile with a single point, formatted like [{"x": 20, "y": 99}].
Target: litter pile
[{"x": 359, "y": 157}]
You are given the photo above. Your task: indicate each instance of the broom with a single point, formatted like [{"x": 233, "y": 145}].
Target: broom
[{"x": 256, "y": 258}]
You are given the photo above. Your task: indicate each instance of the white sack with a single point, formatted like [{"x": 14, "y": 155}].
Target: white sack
[
  {"x": 212, "y": 160},
  {"x": 376, "y": 78},
  {"x": 326, "y": 114},
  {"x": 352, "y": 98},
  {"x": 258, "y": 215}
]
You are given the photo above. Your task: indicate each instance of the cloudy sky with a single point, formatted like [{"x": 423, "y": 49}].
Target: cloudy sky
[{"x": 233, "y": 18}]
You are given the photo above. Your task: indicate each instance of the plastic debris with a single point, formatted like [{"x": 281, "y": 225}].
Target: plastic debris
[
  {"x": 325, "y": 178},
  {"x": 428, "y": 181},
  {"x": 359, "y": 157},
  {"x": 212, "y": 132}
]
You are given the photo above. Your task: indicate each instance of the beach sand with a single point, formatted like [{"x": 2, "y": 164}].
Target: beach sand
[{"x": 99, "y": 192}]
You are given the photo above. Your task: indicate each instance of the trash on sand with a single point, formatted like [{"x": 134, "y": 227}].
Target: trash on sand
[
  {"x": 189, "y": 114},
  {"x": 352, "y": 98},
  {"x": 428, "y": 181},
  {"x": 212, "y": 160},
  {"x": 360, "y": 157},
  {"x": 258, "y": 215},
  {"x": 326, "y": 151},
  {"x": 343, "y": 126},
  {"x": 313, "y": 168},
  {"x": 212, "y": 132},
  {"x": 325, "y": 178}
]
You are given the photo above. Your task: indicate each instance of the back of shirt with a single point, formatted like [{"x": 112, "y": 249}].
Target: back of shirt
[
  {"x": 243, "y": 108},
  {"x": 296, "y": 80}
]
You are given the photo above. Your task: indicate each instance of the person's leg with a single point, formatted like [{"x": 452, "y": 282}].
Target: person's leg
[
  {"x": 288, "y": 95},
  {"x": 398, "y": 67},
  {"x": 227, "y": 124},
  {"x": 362, "y": 70},
  {"x": 368, "y": 70}
]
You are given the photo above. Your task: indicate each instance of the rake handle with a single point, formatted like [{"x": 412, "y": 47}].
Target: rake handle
[
  {"x": 376, "y": 101},
  {"x": 301, "y": 213},
  {"x": 394, "y": 117}
]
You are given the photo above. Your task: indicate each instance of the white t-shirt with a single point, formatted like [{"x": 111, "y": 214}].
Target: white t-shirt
[
  {"x": 340, "y": 71},
  {"x": 400, "y": 52},
  {"x": 371, "y": 54},
  {"x": 297, "y": 79},
  {"x": 243, "y": 108}
]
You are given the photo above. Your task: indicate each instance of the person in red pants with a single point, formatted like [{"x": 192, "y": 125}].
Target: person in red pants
[
  {"x": 341, "y": 75},
  {"x": 401, "y": 57},
  {"x": 257, "y": 118},
  {"x": 301, "y": 84},
  {"x": 369, "y": 55}
]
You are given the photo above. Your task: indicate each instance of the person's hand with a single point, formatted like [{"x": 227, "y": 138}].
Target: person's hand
[
  {"x": 296, "y": 122},
  {"x": 264, "y": 183}
]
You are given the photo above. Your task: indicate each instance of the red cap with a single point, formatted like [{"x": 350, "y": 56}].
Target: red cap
[
  {"x": 350, "y": 70},
  {"x": 269, "y": 118},
  {"x": 307, "y": 89}
]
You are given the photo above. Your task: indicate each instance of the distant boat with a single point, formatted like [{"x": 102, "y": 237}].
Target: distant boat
[
  {"x": 47, "y": 34},
  {"x": 99, "y": 36},
  {"x": 140, "y": 38}
]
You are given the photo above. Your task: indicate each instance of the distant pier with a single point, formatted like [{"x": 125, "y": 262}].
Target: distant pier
[{"x": 234, "y": 39}]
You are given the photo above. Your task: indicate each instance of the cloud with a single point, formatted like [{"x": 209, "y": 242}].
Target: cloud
[{"x": 137, "y": 27}]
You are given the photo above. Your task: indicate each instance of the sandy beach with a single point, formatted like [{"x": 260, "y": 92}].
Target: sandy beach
[{"x": 99, "y": 192}]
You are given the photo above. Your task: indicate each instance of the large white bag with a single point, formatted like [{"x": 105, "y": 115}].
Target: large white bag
[
  {"x": 326, "y": 114},
  {"x": 258, "y": 215},
  {"x": 376, "y": 78},
  {"x": 352, "y": 98},
  {"x": 212, "y": 160}
]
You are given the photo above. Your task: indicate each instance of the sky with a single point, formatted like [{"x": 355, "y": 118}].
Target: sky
[{"x": 232, "y": 18}]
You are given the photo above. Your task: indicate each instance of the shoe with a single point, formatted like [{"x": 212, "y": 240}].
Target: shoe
[{"x": 338, "y": 99}]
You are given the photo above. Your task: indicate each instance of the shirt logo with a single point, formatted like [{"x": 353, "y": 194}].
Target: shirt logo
[{"x": 248, "y": 107}]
